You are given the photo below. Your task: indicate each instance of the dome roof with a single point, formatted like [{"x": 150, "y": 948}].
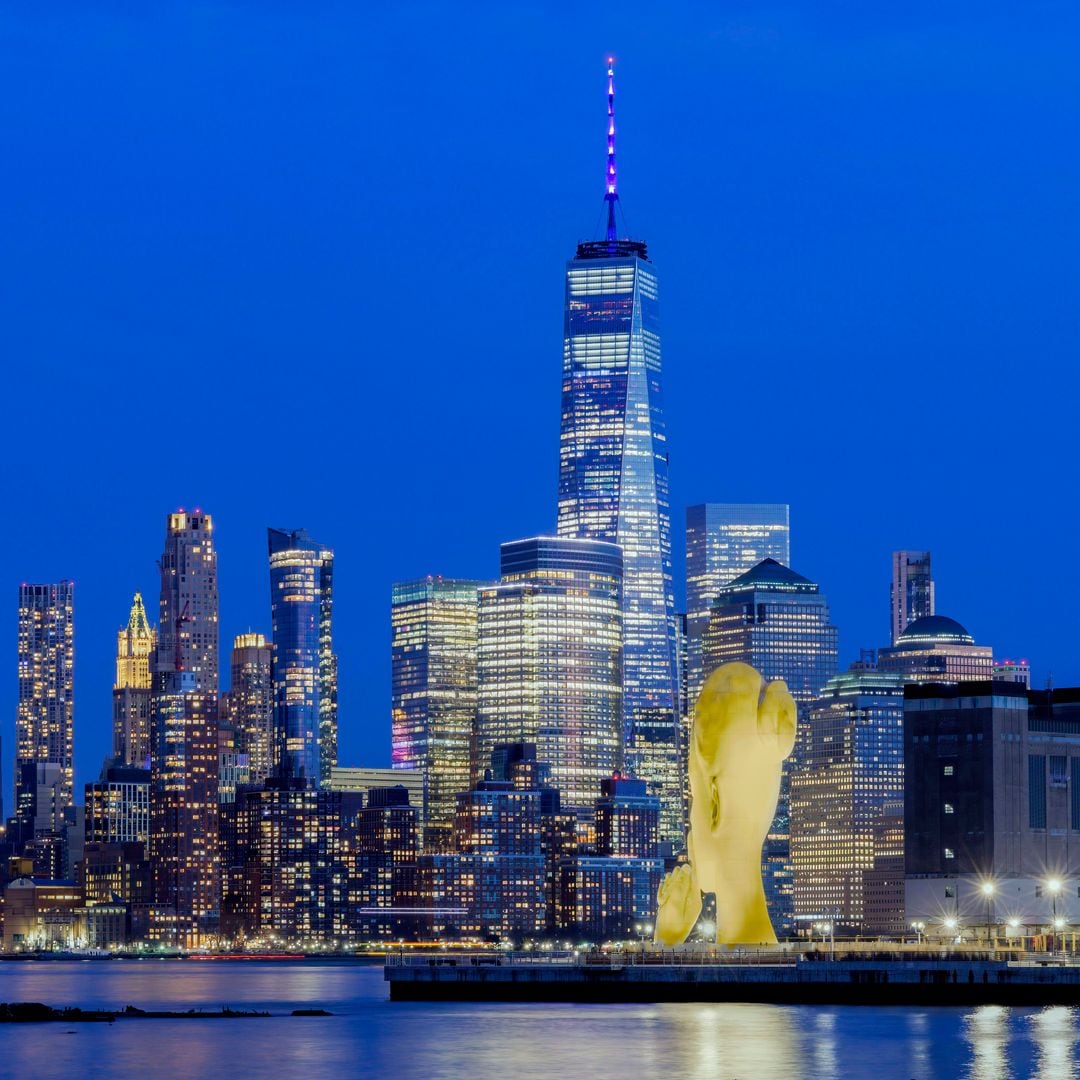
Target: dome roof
[{"x": 936, "y": 629}]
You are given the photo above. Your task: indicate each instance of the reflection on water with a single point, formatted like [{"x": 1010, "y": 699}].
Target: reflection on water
[{"x": 368, "y": 1034}]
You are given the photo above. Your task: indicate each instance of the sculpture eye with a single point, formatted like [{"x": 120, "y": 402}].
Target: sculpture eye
[{"x": 714, "y": 805}]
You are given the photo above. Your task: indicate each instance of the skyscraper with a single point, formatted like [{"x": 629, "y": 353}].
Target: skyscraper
[
  {"x": 249, "y": 704},
  {"x": 778, "y": 622},
  {"x": 912, "y": 592},
  {"x": 724, "y": 540},
  {"x": 45, "y": 715},
  {"x": 132, "y": 690},
  {"x": 549, "y": 666},
  {"x": 433, "y": 706},
  {"x": 188, "y": 624},
  {"x": 851, "y": 765},
  {"x": 937, "y": 649},
  {"x": 613, "y": 475},
  {"x": 304, "y": 664}
]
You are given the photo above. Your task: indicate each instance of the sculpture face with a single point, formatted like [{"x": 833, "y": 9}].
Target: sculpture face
[{"x": 739, "y": 742}]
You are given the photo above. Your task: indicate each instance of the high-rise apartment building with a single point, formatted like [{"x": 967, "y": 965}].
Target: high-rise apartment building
[
  {"x": 133, "y": 688},
  {"x": 549, "y": 662},
  {"x": 851, "y": 766},
  {"x": 118, "y": 806},
  {"x": 184, "y": 818},
  {"x": 912, "y": 591},
  {"x": 613, "y": 475},
  {"x": 433, "y": 706},
  {"x": 249, "y": 705},
  {"x": 777, "y": 621},
  {"x": 45, "y": 714},
  {"x": 724, "y": 540},
  {"x": 188, "y": 624},
  {"x": 305, "y": 666}
]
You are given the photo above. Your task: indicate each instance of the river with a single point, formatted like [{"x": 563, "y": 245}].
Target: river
[{"x": 370, "y": 1036}]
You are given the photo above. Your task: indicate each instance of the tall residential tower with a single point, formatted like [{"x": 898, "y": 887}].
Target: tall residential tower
[{"x": 613, "y": 475}]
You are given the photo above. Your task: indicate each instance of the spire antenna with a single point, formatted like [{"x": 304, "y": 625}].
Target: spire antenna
[{"x": 611, "y": 194}]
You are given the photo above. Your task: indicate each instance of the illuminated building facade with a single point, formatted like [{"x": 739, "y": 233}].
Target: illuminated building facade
[
  {"x": 119, "y": 870},
  {"x": 45, "y": 714},
  {"x": 433, "y": 707},
  {"x": 118, "y": 806},
  {"x": 133, "y": 689},
  {"x": 613, "y": 477},
  {"x": 249, "y": 705},
  {"x": 288, "y": 873},
  {"x": 851, "y": 766},
  {"x": 362, "y": 780},
  {"x": 912, "y": 592},
  {"x": 188, "y": 623},
  {"x": 937, "y": 649},
  {"x": 184, "y": 811},
  {"x": 724, "y": 540},
  {"x": 627, "y": 819},
  {"x": 883, "y": 883},
  {"x": 383, "y": 899},
  {"x": 549, "y": 662},
  {"x": 304, "y": 664},
  {"x": 777, "y": 621}
]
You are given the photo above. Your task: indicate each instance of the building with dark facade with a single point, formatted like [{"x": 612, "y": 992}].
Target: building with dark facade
[{"x": 991, "y": 809}]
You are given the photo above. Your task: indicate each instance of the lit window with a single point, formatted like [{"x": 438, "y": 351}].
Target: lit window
[{"x": 949, "y": 854}]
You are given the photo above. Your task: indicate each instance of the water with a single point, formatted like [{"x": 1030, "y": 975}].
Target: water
[{"x": 369, "y": 1035}]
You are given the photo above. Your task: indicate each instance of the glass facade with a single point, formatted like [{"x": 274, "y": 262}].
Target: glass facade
[
  {"x": 132, "y": 690},
  {"x": 550, "y": 662},
  {"x": 45, "y": 714},
  {"x": 433, "y": 707},
  {"x": 613, "y": 486},
  {"x": 851, "y": 766},
  {"x": 304, "y": 664},
  {"x": 937, "y": 649},
  {"x": 724, "y": 540},
  {"x": 912, "y": 593}
]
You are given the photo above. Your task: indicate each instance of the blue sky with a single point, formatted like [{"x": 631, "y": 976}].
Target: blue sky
[{"x": 301, "y": 264}]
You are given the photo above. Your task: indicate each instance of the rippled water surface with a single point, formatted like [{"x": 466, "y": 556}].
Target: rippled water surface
[{"x": 368, "y": 1035}]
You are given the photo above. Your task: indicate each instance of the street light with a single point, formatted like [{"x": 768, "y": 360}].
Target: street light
[
  {"x": 1013, "y": 925},
  {"x": 918, "y": 927},
  {"x": 1053, "y": 887},
  {"x": 952, "y": 925},
  {"x": 988, "y": 888}
]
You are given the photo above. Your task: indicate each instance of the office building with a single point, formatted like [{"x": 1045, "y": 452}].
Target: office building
[
  {"x": 133, "y": 689},
  {"x": 1017, "y": 671},
  {"x": 724, "y": 540},
  {"x": 45, "y": 713},
  {"x": 433, "y": 707},
  {"x": 362, "y": 780},
  {"x": 118, "y": 806},
  {"x": 613, "y": 476},
  {"x": 912, "y": 592},
  {"x": 937, "y": 649},
  {"x": 851, "y": 766},
  {"x": 304, "y": 663},
  {"x": 549, "y": 662},
  {"x": 777, "y": 621},
  {"x": 248, "y": 707}
]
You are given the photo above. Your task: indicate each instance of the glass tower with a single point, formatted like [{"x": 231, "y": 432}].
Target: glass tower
[
  {"x": 45, "y": 715},
  {"x": 433, "y": 707},
  {"x": 912, "y": 591},
  {"x": 851, "y": 765},
  {"x": 613, "y": 476},
  {"x": 778, "y": 622},
  {"x": 304, "y": 664},
  {"x": 550, "y": 662},
  {"x": 132, "y": 690},
  {"x": 249, "y": 704},
  {"x": 724, "y": 540}
]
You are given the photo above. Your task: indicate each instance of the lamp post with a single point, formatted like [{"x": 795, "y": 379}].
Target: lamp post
[
  {"x": 952, "y": 924},
  {"x": 918, "y": 927},
  {"x": 1053, "y": 887},
  {"x": 1013, "y": 925},
  {"x": 988, "y": 888}
]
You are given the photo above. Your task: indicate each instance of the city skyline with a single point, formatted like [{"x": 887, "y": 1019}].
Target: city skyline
[{"x": 852, "y": 567}]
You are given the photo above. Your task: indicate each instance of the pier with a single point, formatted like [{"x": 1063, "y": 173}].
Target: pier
[{"x": 870, "y": 977}]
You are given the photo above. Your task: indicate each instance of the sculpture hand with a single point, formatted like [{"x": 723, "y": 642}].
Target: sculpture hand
[{"x": 679, "y": 906}]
